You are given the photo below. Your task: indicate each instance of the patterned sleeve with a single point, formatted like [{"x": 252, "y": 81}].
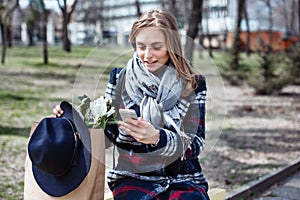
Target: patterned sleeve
[
  {"x": 112, "y": 131},
  {"x": 193, "y": 126},
  {"x": 196, "y": 120},
  {"x": 112, "y": 83}
]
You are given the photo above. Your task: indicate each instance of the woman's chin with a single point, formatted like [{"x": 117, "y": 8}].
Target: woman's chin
[{"x": 152, "y": 67}]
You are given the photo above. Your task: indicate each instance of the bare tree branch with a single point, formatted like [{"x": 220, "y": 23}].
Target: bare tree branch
[
  {"x": 66, "y": 13},
  {"x": 195, "y": 19},
  {"x": 73, "y": 7},
  {"x": 138, "y": 8},
  {"x": 10, "y": 10},
  {"x": 59, "y": 5}
]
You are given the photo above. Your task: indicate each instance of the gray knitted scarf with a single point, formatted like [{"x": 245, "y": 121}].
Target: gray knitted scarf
[{"x": 157, "y": 96}]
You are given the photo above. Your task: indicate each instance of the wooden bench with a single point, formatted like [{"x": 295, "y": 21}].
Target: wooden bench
[
  {"x": 217, "y": 194},
  {"x": 214, "y": 194}
]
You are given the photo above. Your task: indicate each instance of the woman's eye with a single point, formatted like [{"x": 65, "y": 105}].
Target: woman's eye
[
  {"x": 142, "y": 47},
  {"x": 157, "y": 47}
]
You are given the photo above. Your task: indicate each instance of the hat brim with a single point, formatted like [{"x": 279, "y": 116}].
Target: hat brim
[{"x": 61, "y": 185}]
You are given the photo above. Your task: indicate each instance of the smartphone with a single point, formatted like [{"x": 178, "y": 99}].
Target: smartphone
[{"x": 127, "y": 113}]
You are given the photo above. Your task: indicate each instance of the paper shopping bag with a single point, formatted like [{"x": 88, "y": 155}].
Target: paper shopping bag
[{"x": 92, "y": 186}]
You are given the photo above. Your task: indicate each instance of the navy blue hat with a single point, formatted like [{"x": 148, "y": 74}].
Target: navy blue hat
[{"x": 60, "y": 152}]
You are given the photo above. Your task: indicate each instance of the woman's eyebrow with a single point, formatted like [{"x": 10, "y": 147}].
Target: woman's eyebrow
[{"x": 154, "y": 43}]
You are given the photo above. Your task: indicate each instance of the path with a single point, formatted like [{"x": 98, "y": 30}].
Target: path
[{"x": 288, "y": 189}]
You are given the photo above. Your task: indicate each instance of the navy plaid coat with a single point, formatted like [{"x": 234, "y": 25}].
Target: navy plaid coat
[{"x": 182, "y": 179}]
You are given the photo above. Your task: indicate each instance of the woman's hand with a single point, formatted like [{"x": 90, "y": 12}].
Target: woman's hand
[
  {"x": 141, "y": 130},
  {"x": 57, "y": 111}
]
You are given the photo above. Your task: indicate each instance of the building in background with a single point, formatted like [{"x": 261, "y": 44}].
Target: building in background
[
  {"x": 109, "y": 21},
  {"x": 219, "y": 21},
  {"x": 112, "y": 19},
  {"x": 119, "y": 15}
]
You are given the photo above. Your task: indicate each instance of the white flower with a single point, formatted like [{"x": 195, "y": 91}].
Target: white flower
[
  {"x": 98, "y": 107},
  {"x": 98, "y": 113}
]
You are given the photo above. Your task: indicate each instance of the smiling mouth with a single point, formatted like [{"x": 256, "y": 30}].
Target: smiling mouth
[{"x": 149, "y": 63}]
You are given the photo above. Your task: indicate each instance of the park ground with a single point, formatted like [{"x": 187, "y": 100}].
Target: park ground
[{"x": 248, "y": 136}]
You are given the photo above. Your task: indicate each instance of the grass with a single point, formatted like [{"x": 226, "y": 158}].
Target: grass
[
  {"x": 29, "y": 87},
  {"x": 13, "y": 148}
]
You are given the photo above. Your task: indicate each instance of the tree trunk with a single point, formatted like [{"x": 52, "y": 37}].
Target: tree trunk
[
  {"x": 30, "y": 32},
  {"x": 66, "y": 40},
  {"x": 237, "y": 40},
  {"x": 225, "y": 36},
  {"x": 67, "y": 11},
  {"x": 210, "y": 46},
  {"x": 5, "y": 22},
  {"x": 288, "y": 28},
  {"x": 163, "y": 4},
  {"x": 4, "y": 42},
  {"x": 208, "y": 35},
  {"x": 269, "y": 6},
  {"x": 298, "y": 21},
  {"x": 293, "y": 16},
  {"x": 138, "y": 8},
  {"x": 45, "y": 42},
  {"x": 172, "y": 7},
  {"x": 247, "y": 48},
  {"x": 9, "y": 36},
  {"x": 192, "y": 32},
  {"x": 187, "y": 7},
  {"x": 201, "y": 42}
]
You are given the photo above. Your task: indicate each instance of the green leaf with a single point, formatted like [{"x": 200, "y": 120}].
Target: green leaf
[{"x": 84, "y": 106}]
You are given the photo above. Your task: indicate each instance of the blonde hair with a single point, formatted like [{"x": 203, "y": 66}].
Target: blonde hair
[{"x": 166, "y": 22}]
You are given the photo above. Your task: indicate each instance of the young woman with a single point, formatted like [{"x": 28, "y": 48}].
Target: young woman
[{"x": 158, "y": 151}]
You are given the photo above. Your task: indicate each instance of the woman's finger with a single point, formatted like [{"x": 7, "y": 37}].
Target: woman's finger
[{"x": 57, "y": 111}]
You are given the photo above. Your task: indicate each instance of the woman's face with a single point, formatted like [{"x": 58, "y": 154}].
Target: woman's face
[{"x": 151, "y": 48}]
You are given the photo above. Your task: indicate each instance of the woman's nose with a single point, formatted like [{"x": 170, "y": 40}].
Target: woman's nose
[{"x": 148, "y": 52}]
